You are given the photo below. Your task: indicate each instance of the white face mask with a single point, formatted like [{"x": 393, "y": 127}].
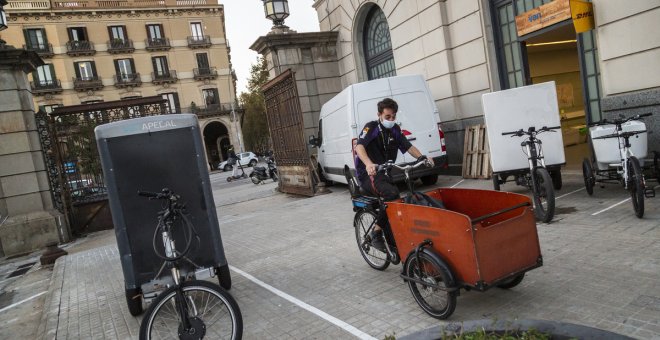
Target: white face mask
[{"x": 388, "y": 124}]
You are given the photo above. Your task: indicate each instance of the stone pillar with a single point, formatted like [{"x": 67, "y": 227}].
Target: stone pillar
[
  {"x": 26, "y": 207},
  {"x": 313, "y": 58}
]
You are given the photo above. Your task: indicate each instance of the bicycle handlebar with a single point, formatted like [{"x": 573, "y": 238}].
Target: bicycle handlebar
[
  {"x": 165, "y": 194},
  {"x": 623, "y": 134},
  {"x": 403, "y": 166},
  {"x": 530, "y": 131},
  {"x": 621, "y": 120}
]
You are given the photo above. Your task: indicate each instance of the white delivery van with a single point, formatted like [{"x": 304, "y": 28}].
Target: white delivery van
[{"x": 344, "y": 116}]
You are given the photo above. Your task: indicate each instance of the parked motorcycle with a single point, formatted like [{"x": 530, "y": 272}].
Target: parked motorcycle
[{"x": 260, "y": 173}]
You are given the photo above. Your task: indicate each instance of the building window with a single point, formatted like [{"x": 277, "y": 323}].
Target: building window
[
  {"x": 378, "y": 46},
  {"x": 211, "y": 97},
  {"x": 202, "y": 62},
  {"x": 196, "y": 30},
  {"x": 85, "y": 70},
  {"x": 78, "y": 34},
  {"x": 155, "y": 32},
  {"x": 35, "y": 38},
  {"x": 590, "y": 71},
  {"x": 172, "y": 101},
  {"x": 117, "y": 33},
  {"x": 161, "y": 69},
  {"x": 125, "y": 69},
  {"x": 44, "y": 75}
]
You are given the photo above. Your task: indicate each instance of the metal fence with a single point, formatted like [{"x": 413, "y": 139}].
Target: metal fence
[{"x": 71, "y": 156}]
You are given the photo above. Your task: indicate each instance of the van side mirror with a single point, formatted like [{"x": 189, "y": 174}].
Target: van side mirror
[{"x": 313, "y": 141}]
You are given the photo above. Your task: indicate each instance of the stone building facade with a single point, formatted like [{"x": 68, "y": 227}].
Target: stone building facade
[
  {"x": 107, "y": 50},
  {"x": 465, "y": 48}
]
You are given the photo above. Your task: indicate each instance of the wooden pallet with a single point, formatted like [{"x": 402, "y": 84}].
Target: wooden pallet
[{"x": 476, "y": 154}]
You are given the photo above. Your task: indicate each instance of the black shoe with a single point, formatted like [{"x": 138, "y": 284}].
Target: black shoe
[{"x": 377, "y": 240}]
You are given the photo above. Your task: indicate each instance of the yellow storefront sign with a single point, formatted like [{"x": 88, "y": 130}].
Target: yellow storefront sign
[
  {"x": 583, "y": 15},
  {"x": 554, "y": 12}
]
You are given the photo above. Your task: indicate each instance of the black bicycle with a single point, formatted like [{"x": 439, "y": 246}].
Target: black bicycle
[
  {"x": 537, "y": 178},
  {"x": 190, "y": 308}
]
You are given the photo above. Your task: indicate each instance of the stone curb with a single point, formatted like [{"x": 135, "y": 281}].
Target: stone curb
[{"x": 50, "y": 314}]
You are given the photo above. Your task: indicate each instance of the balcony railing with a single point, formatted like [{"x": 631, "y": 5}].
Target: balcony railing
[
  {"x": 87, "y": 83},
  {"x": 120, "y": 46},
  {"x": 211, "y": 109},
  {"x": 43, "y": 50},
  {"x": 158, "y": 44},
  {"x": 164, "y": 77},
  {"x": 125, "y": 80},
  {"x": 78, "y": 48},
  {"x": 199, "y": 41},
  {"x": 205, "y": 73},
  {"x": 21, "y": 5},
  {"x": 40, "y": 87}
]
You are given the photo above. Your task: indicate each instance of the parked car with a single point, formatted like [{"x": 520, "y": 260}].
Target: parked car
[{"x": 245, "y": 158}]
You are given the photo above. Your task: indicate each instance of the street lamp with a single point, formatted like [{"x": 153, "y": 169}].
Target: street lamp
[
  {"x": 3, "y": 17},
  {"x": 275, "y": 10}
]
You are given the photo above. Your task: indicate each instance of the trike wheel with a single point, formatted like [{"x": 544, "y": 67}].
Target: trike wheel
[
  {"x": 512, "y": 282},
  {"x": 255, "y": 179},
  {"x": 636, "y": 185},
  {"x": 496, "y": 182},
  {"x": 363, "y": 224},
  {"x": 224, "y": 277},
  {"x": 588, "y": 174},
  {"x": 544, "y": 196},
  {"x": 432, "y": 295},
  {"x": 656, "y": 165},
  {"x": 556, "y": 179},
  {"x": 134, "y": 301}
]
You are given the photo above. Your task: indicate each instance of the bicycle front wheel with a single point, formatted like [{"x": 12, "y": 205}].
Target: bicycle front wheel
[
  {"x": 636, "y": 185},
  {"x": 363, "y": 224},
  {"x": 544, "y": 196},
  {"x": 211, "y": 313}
]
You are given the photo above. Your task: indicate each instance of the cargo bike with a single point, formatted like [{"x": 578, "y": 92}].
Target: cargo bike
[
  {"x": 619, "y": 150},
  {"x": 449, "y": 239}
]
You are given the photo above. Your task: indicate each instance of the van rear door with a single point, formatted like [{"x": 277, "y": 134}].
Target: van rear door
[{"x": 416, "y": 118}]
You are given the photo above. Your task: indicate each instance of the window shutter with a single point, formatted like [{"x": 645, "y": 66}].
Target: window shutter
[
  {"x": 153, "y": 63},
  {"x": 116, "y": 62},
  {"x": 85, "y": 37},
  {"x": 76, "y": 68},
  {"x": 132, "y": 66},
  {"x": 124, "y": 31},
  {"x": 28, "y": 43},
  {"x": 51, "y": 70},
  {"x": 94, "y": 73},
  {"x": 110, "y": 34},
  {"x": 43, "y": 34},
  {"x": 70, "y": 32}
]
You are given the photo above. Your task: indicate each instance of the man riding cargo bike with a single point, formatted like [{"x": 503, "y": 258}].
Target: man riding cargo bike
[{"x": 378, "y": 143}]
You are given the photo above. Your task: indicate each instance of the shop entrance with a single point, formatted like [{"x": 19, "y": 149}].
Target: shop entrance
[{"x": 554, "y": 56}]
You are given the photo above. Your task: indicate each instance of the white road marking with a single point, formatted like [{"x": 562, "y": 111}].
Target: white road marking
[
  {"x": 22, "y": 301},
  {"x": 572, "y": 192},
  {"x": 339, "y": 323},
  {"x": 612, "y": 206},
  {"x": 455, "y": 185}
]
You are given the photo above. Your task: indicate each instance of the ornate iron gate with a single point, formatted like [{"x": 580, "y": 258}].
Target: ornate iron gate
[
  {"x": 72, "y": 159},
  {"x": 285, "y": 122}
]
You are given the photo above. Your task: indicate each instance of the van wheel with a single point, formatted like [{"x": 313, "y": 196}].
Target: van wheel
[{"x": 429, "y": 180}]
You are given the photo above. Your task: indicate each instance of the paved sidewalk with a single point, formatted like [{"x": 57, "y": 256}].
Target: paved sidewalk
[{"x": 600, "y": 270}]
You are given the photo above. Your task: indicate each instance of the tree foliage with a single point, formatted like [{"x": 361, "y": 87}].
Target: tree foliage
[{"x": 255, "y": 125}]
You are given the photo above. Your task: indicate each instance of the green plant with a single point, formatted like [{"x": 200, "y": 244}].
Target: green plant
[{"x": 482, "y": 334}]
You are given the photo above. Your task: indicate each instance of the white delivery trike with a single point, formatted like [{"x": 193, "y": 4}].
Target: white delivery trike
[
  {"x": 527, "y": 112},
  {"x": 619, "y": 149}
]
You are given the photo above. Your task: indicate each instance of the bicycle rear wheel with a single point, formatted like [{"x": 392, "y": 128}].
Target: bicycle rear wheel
[
  {"x": 636, "y": 185},
  {"x": 375, "y": 258},
  {"x": 544, "y": 196},
  {"x": 212, "y": 314}
]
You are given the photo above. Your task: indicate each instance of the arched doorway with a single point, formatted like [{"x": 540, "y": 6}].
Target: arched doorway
[{"x": 216, "y": 138}]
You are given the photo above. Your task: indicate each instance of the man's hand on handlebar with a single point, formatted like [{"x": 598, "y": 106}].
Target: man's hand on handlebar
[{"x": 372, "y": 169}]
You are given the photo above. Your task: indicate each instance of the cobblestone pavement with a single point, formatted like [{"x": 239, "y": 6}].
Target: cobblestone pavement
[{"x": 601, "y": 269}]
